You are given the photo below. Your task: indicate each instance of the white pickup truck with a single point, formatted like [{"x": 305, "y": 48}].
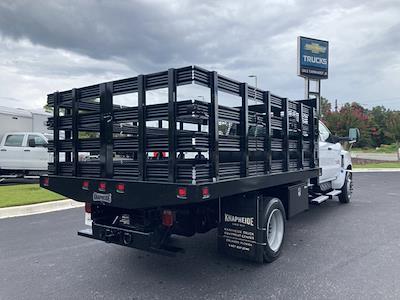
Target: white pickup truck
[{"x": 23, "y": 153}]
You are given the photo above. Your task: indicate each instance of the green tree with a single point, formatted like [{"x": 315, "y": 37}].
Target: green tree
[
  {"x": 379, "y": 134},
  {"x": 350, "y": 116},
  {"x": 393, "y": 125},
  {"x": 47, "y": 108},
  {"x": 326, "y": 107}
]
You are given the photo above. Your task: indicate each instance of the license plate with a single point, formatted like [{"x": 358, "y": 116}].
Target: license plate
[
  {"x": 88, "y": 219},
  {"x": 104, "y": 198}
]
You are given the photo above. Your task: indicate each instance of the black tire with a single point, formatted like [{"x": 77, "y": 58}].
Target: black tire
[
  {"x": 347, "y": 189},
  {"x": 272, "y": 253}
]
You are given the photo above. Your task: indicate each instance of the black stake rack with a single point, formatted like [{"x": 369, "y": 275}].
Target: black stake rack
[{"x": 273, "y": 135}]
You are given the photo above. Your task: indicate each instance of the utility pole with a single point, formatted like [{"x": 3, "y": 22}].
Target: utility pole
[{"x": 336, "y": 107}]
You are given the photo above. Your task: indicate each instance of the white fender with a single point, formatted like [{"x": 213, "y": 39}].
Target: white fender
[{"x": 337, "y": 184}]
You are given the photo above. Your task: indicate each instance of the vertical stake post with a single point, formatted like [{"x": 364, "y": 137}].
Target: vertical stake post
[
  {"x": 244, "y": 131},
  {"x": 75, "y": 132},
  {"x": 213, "y": 128},
  {"x": 285, "y": 127},
  {"x": 268, "y": 133},
  {"x": 106, "y": 130},
  {"x": 56, "y": 133},
  {"x": 172, "y": 98},
  {"x": 142, "y": 127},
  {"x": 300, "y": 147}
]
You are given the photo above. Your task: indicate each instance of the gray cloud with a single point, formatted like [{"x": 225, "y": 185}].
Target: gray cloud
[
  {"x": 147, "y": 33},
  {"x": 234, "y": 37}
]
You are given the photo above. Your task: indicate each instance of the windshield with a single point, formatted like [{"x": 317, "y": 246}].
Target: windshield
[{"x": 324, "y": 132}]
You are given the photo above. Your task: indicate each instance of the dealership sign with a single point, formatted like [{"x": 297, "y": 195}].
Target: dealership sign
[{"x": 312, "y": 58}]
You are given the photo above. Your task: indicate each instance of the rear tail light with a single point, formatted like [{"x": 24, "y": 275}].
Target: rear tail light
[
  {"x": 182, "y": 193},
  {"x": 168, "y": 218},
  {"x": 205, "y": 192},
  {"x": 45, "y": 181},
  {"x": 102, "y": 186},
  {"x": 88, "y": 208},
  {"x": 88, "y": 214},
  {"x": 120, "y": 188},
  {"x": 157, "y": 155},
  {"x": 85, "y": 185}
]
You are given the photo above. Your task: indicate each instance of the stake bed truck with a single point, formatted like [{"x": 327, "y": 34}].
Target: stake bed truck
[{"x": 183, "y": 167}]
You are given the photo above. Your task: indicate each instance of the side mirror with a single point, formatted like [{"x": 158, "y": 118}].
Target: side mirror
[
  {"x": 354, "y": 135},
  {"x": 31, "y": 143}
]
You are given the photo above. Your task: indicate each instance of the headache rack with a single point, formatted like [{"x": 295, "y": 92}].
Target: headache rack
[{"x": 180, "y": 141}]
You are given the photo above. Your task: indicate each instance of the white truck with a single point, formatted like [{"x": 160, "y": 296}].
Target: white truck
[
  {"x": 275, "y": 159},
  {"x": 23, "y": 141},
  {"x": 23, "y": 153}
]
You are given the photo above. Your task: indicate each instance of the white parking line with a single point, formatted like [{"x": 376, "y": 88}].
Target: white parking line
[{"x": 361, "y": 170}]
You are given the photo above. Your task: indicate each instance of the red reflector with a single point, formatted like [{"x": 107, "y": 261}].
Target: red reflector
[
  {"x": 46, "y": 181},
  {"x": 168, "y": 218},
  {"x": 102, "y": 186},
  {"x": 120, "y": 188},
  {"x": 85, "y": 185},
  {"x": 205, "y": 192},
  {"x": 88, "y": 208},
  {"x": 182, "y": 192}
]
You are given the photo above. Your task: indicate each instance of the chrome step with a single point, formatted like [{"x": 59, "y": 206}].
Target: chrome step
[
  {"x": 320, "y": 199},
  {"x": 333, "y": 193}
]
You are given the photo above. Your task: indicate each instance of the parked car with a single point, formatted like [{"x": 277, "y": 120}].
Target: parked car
[{"x": 23, "y": 153}]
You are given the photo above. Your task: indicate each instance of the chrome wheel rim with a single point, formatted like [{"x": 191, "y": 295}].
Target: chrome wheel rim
[{"x": 275, "y": 228}]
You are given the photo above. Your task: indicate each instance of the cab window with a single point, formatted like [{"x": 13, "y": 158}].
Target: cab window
[
  {"x": 324, "y": 132},
  {"x": 39, "y": 141},
  {"x": 14, "y": 140}
]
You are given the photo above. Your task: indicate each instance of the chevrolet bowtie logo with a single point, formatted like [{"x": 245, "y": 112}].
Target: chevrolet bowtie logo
[{"x": 315, "y": 48}]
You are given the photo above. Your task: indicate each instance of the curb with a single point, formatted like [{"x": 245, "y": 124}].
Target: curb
[
  {"x": 361, "y": 170},
  {"x": 39, "y": 208}
]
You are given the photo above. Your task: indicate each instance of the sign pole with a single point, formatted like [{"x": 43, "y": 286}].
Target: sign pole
[
  {"x": 312, "y": 65},
  {"x": 313, "y": 93}
]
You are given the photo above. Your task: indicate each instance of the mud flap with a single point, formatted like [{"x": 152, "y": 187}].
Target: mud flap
[{"x": 240, "y": 229}]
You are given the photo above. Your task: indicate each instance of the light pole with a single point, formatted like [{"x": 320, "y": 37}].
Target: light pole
[{"x": 255, "y": 89}]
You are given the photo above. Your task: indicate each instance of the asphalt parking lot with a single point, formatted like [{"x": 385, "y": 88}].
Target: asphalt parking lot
[{"x": 331, "y": 251}]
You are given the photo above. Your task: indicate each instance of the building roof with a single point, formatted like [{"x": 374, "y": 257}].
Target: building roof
[{"x": 21, "y": 112}]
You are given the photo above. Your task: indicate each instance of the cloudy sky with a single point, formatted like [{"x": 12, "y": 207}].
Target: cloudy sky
[{"x": 56, "y": 45}]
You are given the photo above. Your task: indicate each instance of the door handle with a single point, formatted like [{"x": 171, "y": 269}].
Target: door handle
[
  {"x": 27, "y": 150},
  {"x": 329, "y": 148},
  {"x": 3, "y": 150}
]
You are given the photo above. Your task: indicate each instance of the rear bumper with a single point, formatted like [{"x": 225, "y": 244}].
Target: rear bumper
[
  {"x": 147, "y": 241},
  {"x": 124, "y": 237}
]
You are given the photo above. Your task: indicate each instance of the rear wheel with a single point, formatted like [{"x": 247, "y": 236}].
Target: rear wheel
[
  {"x": 275, "y": 220},
  {"x": 347, "y": 188}
]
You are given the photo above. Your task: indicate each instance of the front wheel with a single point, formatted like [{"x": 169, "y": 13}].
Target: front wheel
[
  {"x": 275, "y": 219},
  {"x": 347, "y": 188}
]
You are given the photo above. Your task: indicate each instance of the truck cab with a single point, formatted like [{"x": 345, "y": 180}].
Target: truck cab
[
  {"x": 23, "y": 152},
  {"x": 335, "y": 163}
]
